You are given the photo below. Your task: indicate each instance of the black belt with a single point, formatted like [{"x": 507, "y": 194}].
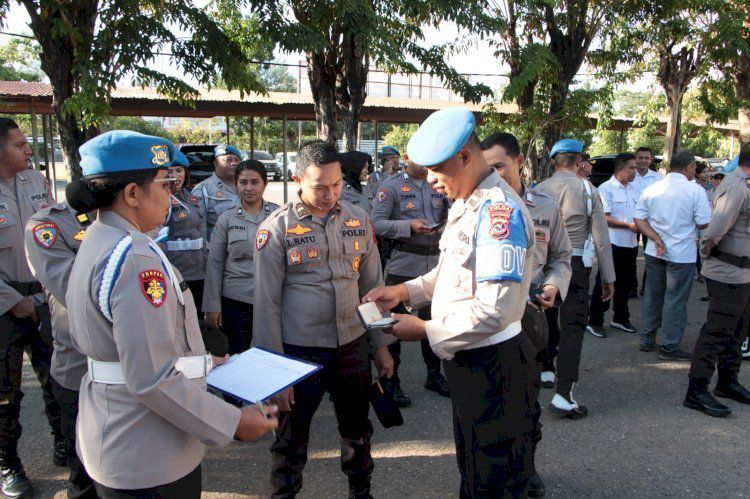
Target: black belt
[
  {"x": 417, "y": 249},
  {"x": 26, "y": 288},
  {"x": 742, "y": 262}
]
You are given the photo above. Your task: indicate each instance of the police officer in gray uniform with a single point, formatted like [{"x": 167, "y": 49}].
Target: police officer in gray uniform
[
  {"x": 25, "y": 320},
  {"x": 53, "y": 236},
  {"x": 484, "y": 267},
  {"x": 185, "y": 244},
  {"x": 314, "y": 260},
  {"x": 584, "y": 220},
  {"x": 410, "y": 214},
  {"x": 551, "y": 271},
  {"x": 355, "y": 166},
  {"x": 389, "y": 166},
  {"x": 725, "y": 246},
  {"x": 217, "y": 192},
  {"x": 145, "y": 416},
  {"x": 230, "y": 280}
]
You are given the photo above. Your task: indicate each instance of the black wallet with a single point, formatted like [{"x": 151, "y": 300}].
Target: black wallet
[{"x": 381, "y": 398}]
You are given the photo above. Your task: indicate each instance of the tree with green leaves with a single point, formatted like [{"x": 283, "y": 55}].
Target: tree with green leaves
[
  {"x": 342, "y": 38},
  {"x": 19, "y": 60},
  {"x": 87, "y": 47}
]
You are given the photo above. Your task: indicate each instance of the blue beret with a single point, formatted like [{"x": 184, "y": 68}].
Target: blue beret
[
  {"x": 122, "y": 151},
  {"x": 388, "y": 150},
  {"x": 180, "y": 159},
  {"x": 566, "y": 145},
  {"x": 441, "y": 136},
  {"x": 732, "y": 165},
  {"x": 224, "y": 149},
  {"x": 719, "y": 170}
]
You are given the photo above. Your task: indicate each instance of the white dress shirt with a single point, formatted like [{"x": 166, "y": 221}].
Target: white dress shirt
[
  {"x": 674, "y": 206},
  {"x": 640, "y": 182},
  {"x": 619, "y": 202}
]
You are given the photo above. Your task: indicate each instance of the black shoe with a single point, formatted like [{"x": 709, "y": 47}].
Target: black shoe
[
  {"x": 704, "y": 298},
  {"x": 624, "y": 326},
  {"x": 597, "y": 331},
  {"x": 633, "y": 293},
  {"x": 398, "y": 394},
  {"x": 675, "y": 355},
  {"x": 15, "y": 483},
  {"x": 437, "y": 383},
  {"x": 646, "y": 348},
  {"x": 59, "y": 453},
  {"x": 536, "y": 487},
  {"x": 360, "y": 490},
  {"x": 640, "y": 293},
  {"x": 704, "y": 402},
  {"x": 733, "y": 390}
]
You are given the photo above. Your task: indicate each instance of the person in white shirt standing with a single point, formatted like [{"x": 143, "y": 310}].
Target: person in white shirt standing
[
  {"x": 619, "y": 199},
  {"x": 644, "y": 177},
  {"x": 669, "y": 213}
]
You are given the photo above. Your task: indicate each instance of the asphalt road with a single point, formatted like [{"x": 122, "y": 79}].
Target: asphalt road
[{"x": 638, "y": 441}]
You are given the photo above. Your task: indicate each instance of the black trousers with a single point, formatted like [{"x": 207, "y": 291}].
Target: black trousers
[
  {"x": 431, "y": 360},
  {"x": 491, "y": 394},
  {"x": 573, "y": 319},
  {"x": 79, "y": 482},
  {"x": 237, "y": 324},
  {"x": 187, "y": 487},
  {"x": 625, "y": 271},
  {"x": 36, "y": 340},
  {"x": 196, "y": 289},
  {"x": 549, "y": 354},
  {"x": 718, "y": 344},
  {"x": 346, "y": 376}
]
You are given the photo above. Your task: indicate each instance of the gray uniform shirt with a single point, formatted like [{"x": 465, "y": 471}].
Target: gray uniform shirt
[
  {"x": 311, "y": 275},
  {"x": 53, "y": 236},
  {"x": 153, "y": 429},
  {"x": 400, "y": 200},
  {"x": 217, "y": 197},
  {"x": 552, "y": 250},
  {"x": 481, "y": 284},
  {"x": 187, "y": 224},
  {"x": 729, "y": 229},
  {"x": 570, "y": 192},
  {"x": 20, "y": 198},
  {"x": 374, "y": 181},
  {"x": 231, "y": 271},
  {"x": 359, "y": 199}
]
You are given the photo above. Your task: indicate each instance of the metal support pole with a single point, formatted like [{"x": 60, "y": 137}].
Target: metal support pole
[
  {"x": 229, "y": 141},
  {"x": 376, "y": 143},
  {"x": 299, "y": 134},
  {"x": 54, "y": 166},
  {"x": 285, "y": 171},
  {"x": 252, "y": 136},
  {"x": 34, "y": 147},
  {"x": 731, "y": 146},
  {"x": 44, "y": 145}
]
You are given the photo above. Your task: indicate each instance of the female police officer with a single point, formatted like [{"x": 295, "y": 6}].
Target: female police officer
[
  {"x": 144, "y": 414},
  {"x": 228, "y": 298}
]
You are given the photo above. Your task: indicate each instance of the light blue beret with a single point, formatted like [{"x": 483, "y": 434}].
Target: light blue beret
[
  {"x": 388, "y": 150},
  {"x": 732, "y": 165},
  {"x": 180, "y": 159},
  {"x": 122, "y": 151},
  {"x": 224, "y": 149},
  {"x": 566, "y": 145},
  {"x": 719, "y": 170},
  {"x": 441, "y": 136}
]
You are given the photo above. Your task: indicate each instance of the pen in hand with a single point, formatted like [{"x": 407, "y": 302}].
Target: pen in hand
[{"x": 262, "y": 410}]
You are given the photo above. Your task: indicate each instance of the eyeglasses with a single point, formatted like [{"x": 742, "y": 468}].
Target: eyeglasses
[{"x": 168, "y": 180}]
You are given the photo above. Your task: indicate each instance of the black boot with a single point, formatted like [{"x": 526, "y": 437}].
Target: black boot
[
  {"x": 360, "y": 488},
  {"x": 437, "y": 383},
  {"x": 535, "y": 486},
  {"x": 59, "y": 452},
  {"x": 14, "y": 481},
  {"x": 727, "y": 386},
  {"x": 401, "y": 399},
  {"x": 699, "y": 399}
]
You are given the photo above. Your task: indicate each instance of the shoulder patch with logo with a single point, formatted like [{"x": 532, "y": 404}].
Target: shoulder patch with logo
[
  {"x": 154, "y": 287},
  {"x": 382, "y": 195},
  {"x": 45, "y": 234},
  {"x": 501, "y": 242},
  {"x": 352, "y": 222},
  {"x": 298, "y": 230},
  {"x": 261, "y": 238}
]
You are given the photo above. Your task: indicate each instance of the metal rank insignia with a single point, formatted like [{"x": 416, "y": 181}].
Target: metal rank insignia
[{"x": 80, "y": 235}]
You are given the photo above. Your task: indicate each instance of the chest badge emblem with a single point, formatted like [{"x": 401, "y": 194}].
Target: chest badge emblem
[{"x": 298, "y": 230}]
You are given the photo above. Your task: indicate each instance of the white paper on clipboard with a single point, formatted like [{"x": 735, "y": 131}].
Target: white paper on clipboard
[{"x": 258, "y": 374}]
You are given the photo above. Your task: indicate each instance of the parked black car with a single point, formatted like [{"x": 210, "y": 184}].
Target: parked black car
[
  {"x": 604, "y": 166},
  {"x": 272, "y": 164},
  {"x": 201, "y": 159}
]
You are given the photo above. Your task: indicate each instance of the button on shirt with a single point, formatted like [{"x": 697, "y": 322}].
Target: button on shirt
[
  {"x": 619, "y": 201},
  {"x": 674, "y": 206},
  {"x": 640, "y": 182}
]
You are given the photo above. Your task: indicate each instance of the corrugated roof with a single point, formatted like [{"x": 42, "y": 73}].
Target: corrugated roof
[{"x": 25, "y": 89}]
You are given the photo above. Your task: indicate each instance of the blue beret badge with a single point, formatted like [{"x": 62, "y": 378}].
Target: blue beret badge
[{"x": 161, "y": 154}]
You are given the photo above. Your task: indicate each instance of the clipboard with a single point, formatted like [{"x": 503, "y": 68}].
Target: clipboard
[{"x": 258, "y": 374}]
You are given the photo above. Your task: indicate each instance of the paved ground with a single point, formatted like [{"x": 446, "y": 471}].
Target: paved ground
[{"x": 638, "y": 441}]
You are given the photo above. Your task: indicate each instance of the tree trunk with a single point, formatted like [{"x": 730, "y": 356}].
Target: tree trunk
[
  {"x": 674, "y": 125},
  {"x": 742, "y": 78},
  {"x": 351, "y": 88},
  {"x": 323, "y": 85}
]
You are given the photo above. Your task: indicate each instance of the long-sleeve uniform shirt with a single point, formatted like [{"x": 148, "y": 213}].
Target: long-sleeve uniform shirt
[
  {"x": 312, "y": 274},
  {"x": 217, "y": 197},
  {"x": 231, "y": 270},
  {"x": 186, "y": 245},
  {"x": 153, "y": 428},
  {"x": 552, "y": 248},
  {"x": 568, "y": 189},
  {"x": 480, "y": 285},
  {"x": 53, "y": 236},
  {"x": 400, "y": 200},
  {"x": 20, "y": 197},
  {"x": 729, "y": 229}
]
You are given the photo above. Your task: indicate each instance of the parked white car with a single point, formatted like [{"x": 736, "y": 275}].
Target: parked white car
[{"x": 291, "y": 165}]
